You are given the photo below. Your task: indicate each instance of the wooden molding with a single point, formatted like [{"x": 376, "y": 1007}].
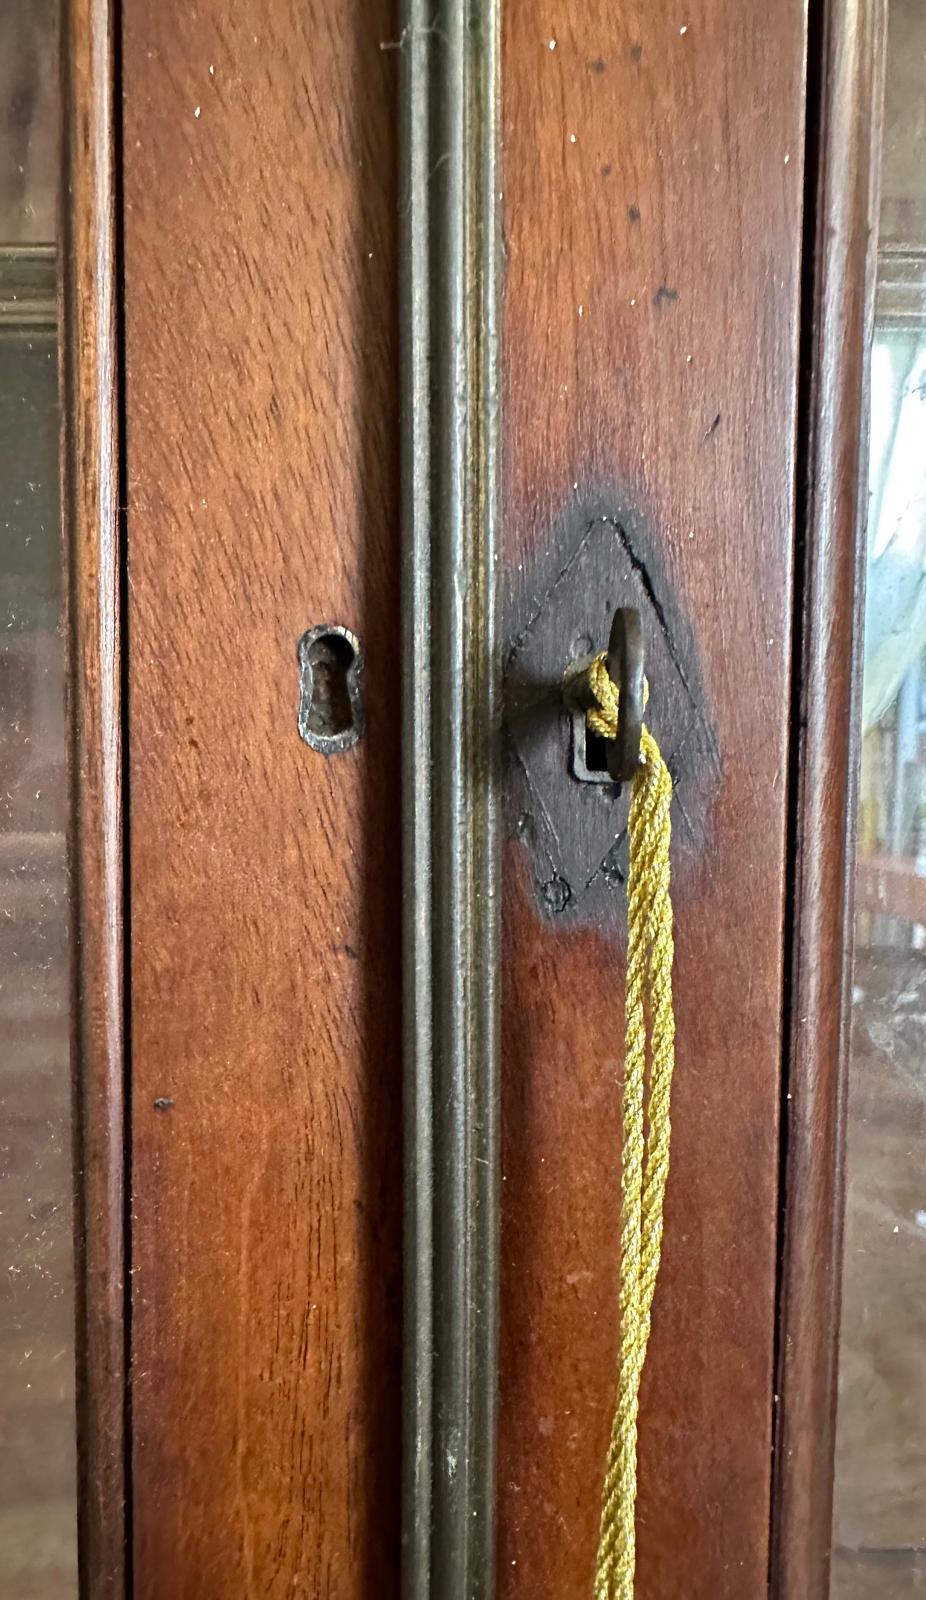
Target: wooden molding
[
  {"x": 90, "y": 499},
  {"x": 845, "y": 93},
  {"x": 450, "y": 663}
]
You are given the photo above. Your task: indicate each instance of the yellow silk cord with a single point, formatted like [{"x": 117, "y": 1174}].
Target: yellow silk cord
[{"x": 646, "y": 1124}]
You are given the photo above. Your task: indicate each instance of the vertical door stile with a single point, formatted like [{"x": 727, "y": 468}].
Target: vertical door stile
[
  {"x": 844, "y": 115},
  {"x": 91, "y": 454}
]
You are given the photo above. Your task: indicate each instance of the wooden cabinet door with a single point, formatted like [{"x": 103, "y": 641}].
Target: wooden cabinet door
[
  {"x": 410, "y": 346},
  {"x": 652, "y": 308},
  {"x": 260, "y": 377}
]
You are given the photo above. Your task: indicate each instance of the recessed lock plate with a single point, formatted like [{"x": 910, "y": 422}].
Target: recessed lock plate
[{"x": 562, "y": 804}]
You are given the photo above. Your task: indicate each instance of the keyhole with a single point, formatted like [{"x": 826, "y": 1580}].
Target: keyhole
[
  {"x": 330, "y": 709},
  {"x": 596, "y": 752},
  {"x": 589, "y": 752},
  {"x": 330, "y": 658}
]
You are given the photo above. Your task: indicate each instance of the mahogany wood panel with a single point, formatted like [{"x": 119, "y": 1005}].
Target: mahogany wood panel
[
  {"x": 93, "y": 555},
  {"x": 653, "y": 169},
  {"x": 260, "y": 289}
]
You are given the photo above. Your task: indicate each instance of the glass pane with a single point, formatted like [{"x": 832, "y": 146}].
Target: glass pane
[
  {"x": 37, "y": 1427},
  {"x": 880, "y": 1528}
]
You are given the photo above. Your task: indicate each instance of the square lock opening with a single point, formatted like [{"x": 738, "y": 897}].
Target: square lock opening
[{"x": 589, "y": 752}]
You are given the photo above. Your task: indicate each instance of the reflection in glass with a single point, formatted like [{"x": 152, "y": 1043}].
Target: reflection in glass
[
  {"x": 37, "y": 1427},
  {"x": 28, "y": 121},
  {"x": 880, "y": 1526}
]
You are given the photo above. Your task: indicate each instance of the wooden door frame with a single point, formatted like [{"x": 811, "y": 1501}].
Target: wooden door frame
[
  {"x": 845, "y": 95},
  {"x": 93, "y": 546}
]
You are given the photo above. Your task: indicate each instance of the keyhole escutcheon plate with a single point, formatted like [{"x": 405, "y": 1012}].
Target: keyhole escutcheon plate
[{"x": 330, "y": 700}]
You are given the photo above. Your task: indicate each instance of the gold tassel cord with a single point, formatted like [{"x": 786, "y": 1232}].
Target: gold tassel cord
[{"x": 646, "y": 1123}]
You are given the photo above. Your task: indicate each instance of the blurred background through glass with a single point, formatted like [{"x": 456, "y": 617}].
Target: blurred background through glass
[
  {"x": 880, "y": 1527},
  {"x": 38, "y": 1538}
]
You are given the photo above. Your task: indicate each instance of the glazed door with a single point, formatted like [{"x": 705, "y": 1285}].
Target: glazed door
[{"x": 403, "y": 348}]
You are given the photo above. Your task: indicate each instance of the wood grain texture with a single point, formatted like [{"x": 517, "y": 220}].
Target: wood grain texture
[
  {"x": 262, "y": 463},
  {"x": 844, "y": 151},
  {"x": 90, "y": 501},
  {"x": 653, "y": 202}
]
